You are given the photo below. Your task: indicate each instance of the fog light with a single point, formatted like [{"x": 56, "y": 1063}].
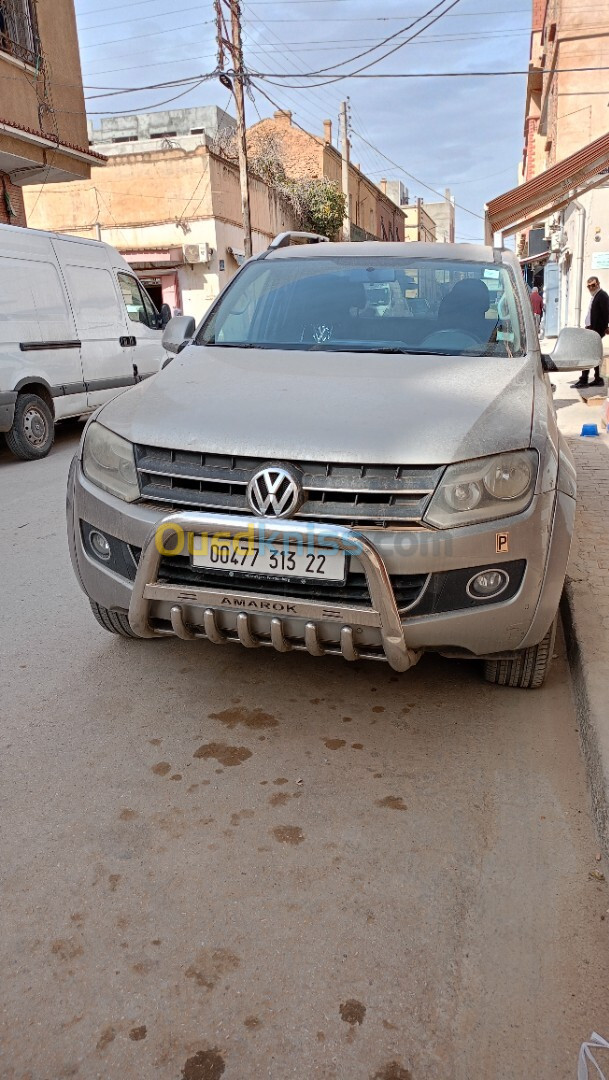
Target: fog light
[
  {"x": 488, "y": 584},
  {"x": 100, "y": 545}
]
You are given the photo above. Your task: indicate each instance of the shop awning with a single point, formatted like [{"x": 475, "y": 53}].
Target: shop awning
[
  {"x": 552, "y": 190},
  {"x": 238, "y": 256},
  {"x": 541, "y": 257},
  {"x": 154, "y": 258}
]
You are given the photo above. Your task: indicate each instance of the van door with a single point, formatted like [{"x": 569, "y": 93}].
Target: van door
[
  {"x": 148, "y": 352},
  {"x": 38, "y": 337},
  {"x": 104, "y": 330}
]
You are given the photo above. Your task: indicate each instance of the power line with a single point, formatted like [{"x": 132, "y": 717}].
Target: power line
[
  {"x": 286, "y": 45},
  {"x": 147, "y": 108},
  {"x": 141, "y": 18},
  {"x": 157, "y": 33},
  {"x": 391, "y": 37},
  {"x": 395, "y": 18},
  {"x": 438, "y": 74},
  {"x": 411, "y": 176}
]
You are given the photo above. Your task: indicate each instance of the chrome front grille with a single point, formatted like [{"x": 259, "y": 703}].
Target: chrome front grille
[
  {"x": 379, "y": 495},
  {"x": 178, "y": 570}
]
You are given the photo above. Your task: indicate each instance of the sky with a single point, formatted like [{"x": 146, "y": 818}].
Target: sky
[{"x": 465, "y": 133}]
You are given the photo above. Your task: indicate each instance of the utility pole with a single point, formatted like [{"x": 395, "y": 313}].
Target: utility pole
[
  {"x": 234, "y": 82},
  {"x": 344, "y": 147}
]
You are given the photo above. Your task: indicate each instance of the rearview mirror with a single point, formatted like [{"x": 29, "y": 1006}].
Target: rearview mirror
[
  {"x": 576, "y": 349},
  {"x": 177, "y": 332}
]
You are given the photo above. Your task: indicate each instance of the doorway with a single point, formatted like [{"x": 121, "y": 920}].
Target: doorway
[{"x": 155, "y": 293}]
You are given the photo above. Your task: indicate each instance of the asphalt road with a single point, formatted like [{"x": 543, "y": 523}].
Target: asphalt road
[{"x": 223, "y": 863}]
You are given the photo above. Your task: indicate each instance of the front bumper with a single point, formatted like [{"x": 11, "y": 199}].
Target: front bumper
[{"x": 541, "y": 537}]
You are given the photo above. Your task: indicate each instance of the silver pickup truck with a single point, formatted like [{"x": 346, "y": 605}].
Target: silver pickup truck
[{"x": 309, "y": 472}]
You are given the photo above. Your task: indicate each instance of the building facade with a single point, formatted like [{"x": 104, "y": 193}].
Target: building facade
[
  {"x": 424, "y": 220},
  {"x": 373, "y": 214},
  {"x": 566, "y": 109},
  {"x": 43, "y": 125},
  {"x": 112, "y": 132},
  {"x": 418, "y": 224},
  {"x": 173, "y": 211}
]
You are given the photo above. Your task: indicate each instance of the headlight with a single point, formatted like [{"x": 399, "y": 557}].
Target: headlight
[
  {"x": 482, "y": 490},
  {"x": 108, "y": 461}
]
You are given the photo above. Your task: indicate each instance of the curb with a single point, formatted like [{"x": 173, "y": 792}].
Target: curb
[{"x": 583, "y": 632}]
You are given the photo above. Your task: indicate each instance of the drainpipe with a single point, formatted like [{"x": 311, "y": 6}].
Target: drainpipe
[{"x": 579, "y": 259}]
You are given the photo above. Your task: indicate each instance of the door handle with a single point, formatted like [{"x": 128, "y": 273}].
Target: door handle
[{"x": 127, "y": 342}]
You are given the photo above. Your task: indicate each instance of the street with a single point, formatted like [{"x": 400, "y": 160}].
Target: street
[{"x": 220, "y": 862}]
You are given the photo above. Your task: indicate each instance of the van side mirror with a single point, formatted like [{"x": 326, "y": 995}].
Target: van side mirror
[
  {"x": 177, "y": 332},
  {"x": 575, "y": 350}
]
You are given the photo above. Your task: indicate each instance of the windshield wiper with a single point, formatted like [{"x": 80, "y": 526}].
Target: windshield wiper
[
  {"x": 357, "y": 348},
  {"x": 233, "y": 345}
]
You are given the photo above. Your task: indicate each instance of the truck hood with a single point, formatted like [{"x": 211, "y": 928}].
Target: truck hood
[{"x": 341, "y": 407}]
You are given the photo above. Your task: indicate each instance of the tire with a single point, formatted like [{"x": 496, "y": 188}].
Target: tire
[
  {"x": 529, "y": 669},
  {"x": 115, "y": 622},
  {"x": 33, "y": 431}
]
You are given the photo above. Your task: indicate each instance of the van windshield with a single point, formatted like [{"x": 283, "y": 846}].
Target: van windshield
[{"x": 369, "y": 305}]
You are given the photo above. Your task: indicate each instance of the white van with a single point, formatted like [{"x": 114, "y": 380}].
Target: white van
[{"x": 76, "y": 328}]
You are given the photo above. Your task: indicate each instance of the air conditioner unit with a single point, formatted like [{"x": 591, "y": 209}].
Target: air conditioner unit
[{"x": 197, "y": 253}]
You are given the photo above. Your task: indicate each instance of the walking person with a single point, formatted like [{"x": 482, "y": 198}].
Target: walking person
[
  {"x": 537, "y": 306},
  {"x": 597, "y": 319}
]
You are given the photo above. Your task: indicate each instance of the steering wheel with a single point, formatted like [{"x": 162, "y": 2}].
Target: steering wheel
[{"x": 450, "y": 339}]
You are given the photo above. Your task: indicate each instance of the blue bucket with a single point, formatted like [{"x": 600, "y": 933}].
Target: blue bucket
[{"x": 589, "y": 429}]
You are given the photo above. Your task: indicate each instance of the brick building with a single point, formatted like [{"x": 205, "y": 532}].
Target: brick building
[
  {"x": 566, "y": 110},
  {"x": 43, "y": 126},
  {"x": 306, "y": 156}
]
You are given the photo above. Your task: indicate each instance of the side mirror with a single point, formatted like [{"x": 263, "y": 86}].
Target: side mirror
[
  {"x": 575, "y": 350},
  {"x": 178, "y": 331}
]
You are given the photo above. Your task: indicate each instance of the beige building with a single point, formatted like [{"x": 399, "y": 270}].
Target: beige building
[
  {"x": 173, "y": 211},
  {"x": 418, "y": 224},
  {"x": 43, "y": 125},
  {"x": 443, "y": 214},
  {"x": 304, "y": 155}
]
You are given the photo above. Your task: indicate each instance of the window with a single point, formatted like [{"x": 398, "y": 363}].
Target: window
[
  {"x": 140, "y": 308},
  {"x": 18, "y": 30},
  {"x": 379, "y": 304}
]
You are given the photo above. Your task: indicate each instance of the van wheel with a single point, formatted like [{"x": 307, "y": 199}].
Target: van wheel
[
  {"x": 33, "y": 430},
  {"x": 529, "y": 669},
  {"x": 116, "y": 622}
]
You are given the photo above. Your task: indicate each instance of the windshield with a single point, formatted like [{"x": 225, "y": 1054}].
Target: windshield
[{"x": 371, "y": 305}]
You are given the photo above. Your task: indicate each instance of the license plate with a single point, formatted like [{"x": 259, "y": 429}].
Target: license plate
[{"x": 314, "y": 563}]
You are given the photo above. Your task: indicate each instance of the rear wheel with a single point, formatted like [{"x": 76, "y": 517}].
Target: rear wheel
[
  {"x": 33, "y": 430},
  {"x": 116, "y": 622},
  {"x": 529, "y": 669}
]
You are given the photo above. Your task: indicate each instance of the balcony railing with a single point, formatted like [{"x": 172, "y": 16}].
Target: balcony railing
[
  {"x": 18, "y": 31},
  {"x": 359, "y": 235}
]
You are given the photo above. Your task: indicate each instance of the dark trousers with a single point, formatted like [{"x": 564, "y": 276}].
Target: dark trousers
[{"x": 586, "y": 373}]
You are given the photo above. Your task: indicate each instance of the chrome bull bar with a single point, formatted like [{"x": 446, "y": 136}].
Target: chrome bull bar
[{"x": 383, "y": 614}]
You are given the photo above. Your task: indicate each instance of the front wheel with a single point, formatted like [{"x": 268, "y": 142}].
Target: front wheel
[
  {"x": 33, "y": 430},
  {"x": 527, "y": 670},
  {"x": 115, "y": 622}
]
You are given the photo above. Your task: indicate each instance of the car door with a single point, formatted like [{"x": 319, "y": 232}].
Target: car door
[
  {"x": 104, "y": 330},
  {"x": 147, "y": 351}
]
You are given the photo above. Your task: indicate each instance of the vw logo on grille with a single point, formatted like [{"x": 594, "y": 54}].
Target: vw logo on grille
[{"x": 275, "y": 491}]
